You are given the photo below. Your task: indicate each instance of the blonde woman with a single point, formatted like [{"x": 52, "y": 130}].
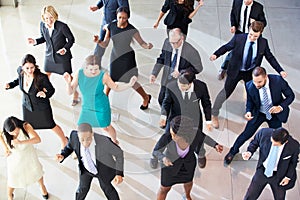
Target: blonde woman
[{"x": 59, "y": 40}]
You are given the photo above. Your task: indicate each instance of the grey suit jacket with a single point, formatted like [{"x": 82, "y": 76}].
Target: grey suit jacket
[{"x": 189, "y": 59}]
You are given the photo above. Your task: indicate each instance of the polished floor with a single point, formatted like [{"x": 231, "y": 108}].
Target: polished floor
[{"x": 138, "y": 130}]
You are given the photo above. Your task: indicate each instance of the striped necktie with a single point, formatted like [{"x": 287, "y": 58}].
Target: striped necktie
[
  {"x": 89, "y": 164},
  {"x": 267, "y": 105}
]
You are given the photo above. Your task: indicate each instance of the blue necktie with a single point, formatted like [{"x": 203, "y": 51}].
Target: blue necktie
[
  {"x": 266, "y": 104},
  {"x": 245, "y": 19},
  {"x": 249, "y": 57},
  {"x": 173, "y": 64},
  {"x": 272, "y": 161},
  {"x": 89, "y": 164}
]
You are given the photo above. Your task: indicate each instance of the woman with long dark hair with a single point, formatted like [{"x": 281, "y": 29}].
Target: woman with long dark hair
[
  {"x": 23, "y": 165},
  {"x": 37, "y": 90}
]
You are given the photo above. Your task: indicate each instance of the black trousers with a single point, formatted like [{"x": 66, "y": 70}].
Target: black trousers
[
  {"x": 259, "y": 182},
  {"x": 229, "y": 86},
  {"x": 85, "y": 179}
]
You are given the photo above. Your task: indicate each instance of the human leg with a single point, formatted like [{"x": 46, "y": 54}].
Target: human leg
[
  {"x": 248, "y": 132},
  {"x": 84, "y": 185},
  {"x": 187, "y": 189},
  {"x": 112, "y": 133},
  {"x": 43, "y": 188},
  {"x": 146, "y": 97},
  {"x": 258, "y": 183},
  {"x": 109, "y": 190},
  {"x": 10, "y": 193},
  {"x": 161, "y": 95},
  {"x": 278, "y": 191},
  {"x": 162, "y": 192},
  {"x": 59, "y": 132}
]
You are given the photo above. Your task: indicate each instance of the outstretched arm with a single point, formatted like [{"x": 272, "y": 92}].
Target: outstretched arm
[
  {"x": 118, "y": 86},
  {"x": 72, "y": 82}
]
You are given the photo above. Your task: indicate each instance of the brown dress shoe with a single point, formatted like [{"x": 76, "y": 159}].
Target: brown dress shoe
[
  {"x": 215, "y": 121},
  {"x": 202, "y": 162},
  {"x": 222, "y": 74}
]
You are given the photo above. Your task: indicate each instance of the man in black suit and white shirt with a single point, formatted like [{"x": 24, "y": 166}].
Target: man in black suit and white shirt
[
  {"x": 278, "y": 158},
  {"x": 186, "y": 57},
  {"x": 98, "y": 157}
]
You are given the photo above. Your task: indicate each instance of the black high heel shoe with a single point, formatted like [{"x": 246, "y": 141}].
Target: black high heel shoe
[
  {"x": 146, "y": 107},
  {"x": 46, "y": 196}
]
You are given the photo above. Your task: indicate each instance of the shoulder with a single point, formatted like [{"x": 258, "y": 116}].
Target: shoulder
[
  {"x": 257, "y": 4},
  {"x": 198, "y": 83},
  {"x": 275, "y": 78},
  {"x": 60, "y": 24}
]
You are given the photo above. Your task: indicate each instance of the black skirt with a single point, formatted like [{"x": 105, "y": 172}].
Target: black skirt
[
  {"x": 58, "y": 68},
  {"x": 39, "y": 119}
]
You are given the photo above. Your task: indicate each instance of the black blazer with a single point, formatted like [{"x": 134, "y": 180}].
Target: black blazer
[
  {"x": 237, "y": 45},
  {"x": 30, "y": 101},
  {"x": 109, "y": 156},
  {"x": 288, "y": 160},
  {"x": 174, "y": 105},
  {"x": 189, "y": 59},
  {"x": 256, "y": 13},
  {"x": 62, "y": 37},
  {"x": 278, "y": 88}
]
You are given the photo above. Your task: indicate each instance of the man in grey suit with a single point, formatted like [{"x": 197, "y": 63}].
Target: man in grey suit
[
  {"x": 98, "y": 157},
  {"x": 110, "y": 13},
  {"x": 186, "y": 57},
  {"x": 278, "y": 158}
]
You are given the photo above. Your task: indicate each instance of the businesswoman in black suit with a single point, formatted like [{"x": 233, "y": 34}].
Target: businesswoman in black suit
[
  {"x": 37, "y": 90},
  {"x": 179, "y": 160},
  {"x": 59, "y": 40},
  {"x": 180, "y": 14}
]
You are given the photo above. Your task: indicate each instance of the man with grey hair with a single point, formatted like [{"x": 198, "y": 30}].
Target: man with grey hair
[{"x": 176, "y": 55}]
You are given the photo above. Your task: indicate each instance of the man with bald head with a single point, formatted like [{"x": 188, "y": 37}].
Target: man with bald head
[{"x": 176, "y": 55}]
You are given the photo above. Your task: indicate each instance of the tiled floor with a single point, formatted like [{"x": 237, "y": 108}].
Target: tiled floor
[{"x": 137, "y": 130}]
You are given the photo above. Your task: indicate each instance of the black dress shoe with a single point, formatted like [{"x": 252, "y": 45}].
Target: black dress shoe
[
  {"x": 46, "y": 196},
  {"x": 146, "y": 107},
  {"x": 153, "y": 163},
  {"x": 228, "y": 159},
  {"x": 202, "y": 162},
  {"x": 222, "y": 74}
]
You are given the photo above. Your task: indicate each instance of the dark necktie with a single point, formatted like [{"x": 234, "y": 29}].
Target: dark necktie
[
  {"x": 186, "y": 96},
  {"x": 266, "y": 104},
  {"x": 245, "y": 19},
  {"x": 272, "y": 161},
  {"x": 173, "y": 63},
  {"x": 249, "y": 57}
]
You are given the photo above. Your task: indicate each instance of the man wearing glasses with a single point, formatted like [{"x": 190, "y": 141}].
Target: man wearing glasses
[{"x": 176, "y": 55}]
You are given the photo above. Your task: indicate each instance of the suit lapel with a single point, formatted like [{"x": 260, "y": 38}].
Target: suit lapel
[{"x": 272, "y": 88}]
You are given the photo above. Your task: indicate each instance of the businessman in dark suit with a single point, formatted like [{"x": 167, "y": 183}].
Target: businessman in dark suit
[
  {"x": 278, "y": 158},
  {"x": 98, "y": 157},
  {"x": 183, "y": 97},
  {"x": 254, "y": 12},
  {"x": 248, "y": 51},
  {"x": 243, "y": 13},
  {"x": 110, "y": 14},
  {"x": 265, "y": 103},
  {"x": 187, "y": 57}
]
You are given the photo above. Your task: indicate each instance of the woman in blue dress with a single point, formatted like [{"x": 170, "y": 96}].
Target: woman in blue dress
[{"x": 95, "y": 105}]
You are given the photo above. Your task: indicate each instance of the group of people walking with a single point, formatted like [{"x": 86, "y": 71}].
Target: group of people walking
[{"x": 184, "y": 101}]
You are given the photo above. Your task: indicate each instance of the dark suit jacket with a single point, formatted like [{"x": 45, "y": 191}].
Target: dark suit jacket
[
  {"x": 30, "y": 101},
  {"x": 62, "y": 37},
  {"x": 256, "y": 13},
  {"x": 110, "y": 8},
  {"x": 288, "y": 160},
  {"x": 189, "y": 59},
  {"x": 109, "y": 156},
  {"x": 278, "y": 87},
  {"x": 237, "y": 45},
  {"x": 174, "y": 105}
]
